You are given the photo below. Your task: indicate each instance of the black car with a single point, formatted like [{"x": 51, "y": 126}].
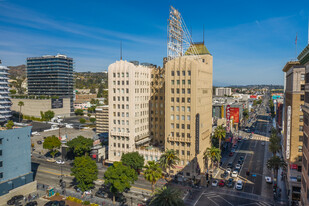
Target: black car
[
  {"x": 15, "y": 199},
  {"x": 240, "y": 162},
  {"x": 230, "y": 183},
  {"x": 225, "y": 174},
  {"x": 55, "y": 203},
  {"x": 39, "y": 142},
  {"x": 33, "y": 203},
  {"x": 101, "y": 193},
  {"x": 241, "y": 158},
  {"x": 230, "y": 165}
]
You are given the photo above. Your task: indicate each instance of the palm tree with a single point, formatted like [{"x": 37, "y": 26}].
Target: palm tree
[
  {"x": 152, "y": 173},
  {"x": 168, "y": 159},
  {"x": 274, "y": 147},
  {"x": 220, "y": 133},
  {"x": 20, "y": 104},
  {"x": 167, "y": 196},
  {"x": 213, "y": 153},
  {"x": 275, "y": 163}
]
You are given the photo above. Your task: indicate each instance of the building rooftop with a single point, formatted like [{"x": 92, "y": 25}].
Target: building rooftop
[
  {"x": 290, "y": 64},
  {"x": 200, "y": 48},
  {"x": 303, "y": 57}
]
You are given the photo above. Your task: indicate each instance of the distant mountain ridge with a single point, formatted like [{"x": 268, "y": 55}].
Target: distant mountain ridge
[{"x": 17, "y": 72}]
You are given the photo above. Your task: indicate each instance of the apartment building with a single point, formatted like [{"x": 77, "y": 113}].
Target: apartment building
[
  {"x": 101, "y": 113},
  {"x": 5, "y": 102},
  {"x": 188, "y": 109},
  {"x": 293, "y": 129},
  {"x": 129, "y": 96},
  {"x": 157, "y": 106},
  {"x": 303, "y": 58},
  {"x": 222, "y": 91}
]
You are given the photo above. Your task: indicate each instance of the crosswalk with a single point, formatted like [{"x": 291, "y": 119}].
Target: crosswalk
[{"x": 260, "y": 137}]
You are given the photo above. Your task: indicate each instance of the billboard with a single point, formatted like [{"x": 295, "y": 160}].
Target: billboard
[
  {"x": 228, "y": 118},
  {"x": 253, "y": 96},
  {"x": 56, "y": 103},
  {"x": 234, "y": 114}
]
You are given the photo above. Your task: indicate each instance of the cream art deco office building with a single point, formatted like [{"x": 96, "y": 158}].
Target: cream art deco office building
[{"x": 129, "y": 95}]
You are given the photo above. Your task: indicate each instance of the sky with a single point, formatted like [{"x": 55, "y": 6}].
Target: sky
[{"x": 250, "y": 41}]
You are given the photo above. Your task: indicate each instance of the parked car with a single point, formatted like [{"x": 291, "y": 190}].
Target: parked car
[
  {"x": 229, "y": 165},
  {"x": 229, "y": 170},
  {"x": 214, "y": 183},
  {"x": 241, "y": 158},
  {"x": 50, "y": 160},
  {"x": 234, "y": 174},
  {"x": 14, "y": 200},
  {"x": 239, "y": 185},
  {"x": 237, "y": 167},
  {"x": 221, "y": 183},
  {"x": 268, "y": 179},
  {"x": 55, "y": 203},
  {"x": 231, "y": 154},
  {"x": 33, "y": 203},
  {"x": 39, "y": 142},
  {"x": 233, "y": 150},
  {"x": 224, "y": 174},
  {"x": 101, "y": 193},
  {"x": 60, "y": 162},
  {"x": 88, "y": 192},
  {"x": 230, "y": 183},
  {"x": 240, "y": 162}
]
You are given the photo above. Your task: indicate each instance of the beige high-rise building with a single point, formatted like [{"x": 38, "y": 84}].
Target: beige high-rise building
[
  {"x": 293, "y": 127},
  {"x": 129, "y": 95},
  {"x": 101, "y": 113},
  {"x": 188, "y": 109},
  {"x": 157, "y": 106}
]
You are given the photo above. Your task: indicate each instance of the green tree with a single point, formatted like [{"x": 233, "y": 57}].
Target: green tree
[
  {"x": 119, "y": 177},
  {"x": 220, "y": 134},
  {"x": 9, "y": 124},
  {"x": 92, "y": 120},
  {"x": 48, "y": 115},
  {"x": 167, "y": 196},
  {"x": 133, "y": 160},
  {"x": 79, "y": 112},
  {"x": 152, "y": 173},
  {"x": 89, "y": 115},
  {"x": 20, "y": 104},
  {"x": 275, "y": 163},
  {"x": 213, "y": 154},
  {"x": 91, "y": 109},
  {"x": 85, "y": 171},
  {"x": 13, "y": 91},
  {"x": 100, "y": 91},
  {"x": 92, "y": 90},
  {"x": 105, "y": 96},
  {"x": 52, "y": 143},
  {"x": 80, "y": 145},
  {"x": 169, "y": 159},
  {"x": 82, "y": 120}
]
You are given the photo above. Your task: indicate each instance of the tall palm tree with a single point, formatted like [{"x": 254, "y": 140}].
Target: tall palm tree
[
  {"x": 275, "y": 163},
  {"x": 152, "y": 173},
  {"x": 167, "y": 196},
  {"x": 20, "y": 104},
  {"x": 274, "y": 147},
  {"x": 169, "y": 159},
  {"x": 213, "y": 153},
  {"x": 220, "y": 134}
]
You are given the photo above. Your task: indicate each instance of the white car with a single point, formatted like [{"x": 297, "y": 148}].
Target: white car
[
  {"x": 60, "y": 162},
  {"x": 214, "y": 183},
  {"x": 229, "y": 170},
  {"x": 239, "y": 185},
  {"x": 88, "y": 192},
  {"x": 234, "y": 174},
  {"x": 268, "y": 180},
  {"x": 237, "y": 167}
]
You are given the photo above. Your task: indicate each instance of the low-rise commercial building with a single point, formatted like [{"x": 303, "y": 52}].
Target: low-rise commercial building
[{"x": 101, "y": 113}]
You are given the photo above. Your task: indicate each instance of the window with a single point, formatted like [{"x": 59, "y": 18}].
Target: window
[
  {"x": 172, "y": 117},
  {"x": 188, "y": 100},
  {"x": 172, "y": 143},
  {"x": 189, "y": 73},
  {"x": 177, "y": 91},
  {"x": 173, "y": 73},
  {"x": 114, "y": 144},
  {"x": 0, "y": 152},
  {"x": 188, "y": 109},
  {"x": 302, "y": 87},
  {"x": 188, "y": 135},
  {"x": 1, "y": 175},
  {"x": 182, "y": 126},
  {"x": 183, "y": 100},
  {"x": 172, "y": 126},
  {"x": 172, "y": 108},
  {"x": 114, "y": 74},
  {"x": 172, "y": 99},
  {"x": 183, "y": 91},
  {"x": 177, "y": 117},
  {"x": 178, "y": 82},
  {"x": 0, "y": 141},
  {"x": 301, "y": 118},
  {"x": 183, "y": 82},
  {"x": 182, "y": 152},
  {"x": 182, "y": 117},
  {"x": 188, "y": 117},
  {"x": 300, "y": 138},
  {"x": 301, "y": 128},
  {"x": 182, "y": 108},
  {"x": 178, "y": 73},
  {"x": 302, "y": 77},
  {"x": 127, "y": 145},
  {"x": 177, "y": 99},
  {"x": 177, "y": 108},
  {"x": 172, "y": 90},
  {"x": 300, "y": 148},
  {"x": 188, "y": 126},
  {"x": 173, "y": 82},
  {"x": 188, "y": 153},
  {"x": 189, "y": 91},
  {"x": 302, "y": 97}
]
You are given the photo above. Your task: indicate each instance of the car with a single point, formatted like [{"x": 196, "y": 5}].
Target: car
[
  {"x": 229, "y": 170},
  {"x": 263, "y": 143},
  {"x": 88, "y": 192},
  {"x": 231, "y": 154},
  {"x": 50, "y": 160},
  {"x": 214, "y": 183},
  {"x": 14, "y": 200},
  {"x": 33, "y": 203},
  {"x": 221, "y": 183},
  {"x": 240, "y": 162},
  {"x": 230, "y": 183},
  {"x": 60, "y": 162},
  {"x": 241, "y": 158},
  {"x": 224, "y": 174},
  {"x": 239, "y": 185},
  {"x": 268, "y": 179},
  {"x": 234, "y": 173},
  {"x": 233, "y": 150},
  {"x": 237, "y": 167},
  {"x": 55, "y": 203},
  {"x": 245, "y": 138},
  {"x": 39, "y": 142},
  {"x": 229, "y": 165},
  {"x": 101, "y": 193}
]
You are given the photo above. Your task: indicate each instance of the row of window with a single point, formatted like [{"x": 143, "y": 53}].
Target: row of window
[
  {"x": 121, "y": 130},
  {"x": 182, "y": 143},
  {"x": 118, "y": 82},
  {"x": 122, "y": 114},
  {"x": 122, "y": 91},
  {"x": 156, "y": 98},
  {"x": 119, "y": 145},
  {"x": 183, "y": 82},
  {"x": 183, "y": 99},
  {"x": 183, "y": 126},
  {"x": 122, "y": 74},
  {"x": 178, "y": 134},
  {"x": 122, "y": 138},
  {"x": 182, "y": 108},
  {"x": 182, "y": 117},
  {"x": 183, "y": 72},
  {"x": 121, "y": 98},
  {"x": 122, "y": 122},
  {"x": 120, "y": 106},
  {"x": 183, "y": 91}
]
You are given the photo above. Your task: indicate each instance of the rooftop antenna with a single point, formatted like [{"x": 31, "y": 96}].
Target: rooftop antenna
[
  {"x": 203, "y": 34},
  {"x": 120, "y": 50}
]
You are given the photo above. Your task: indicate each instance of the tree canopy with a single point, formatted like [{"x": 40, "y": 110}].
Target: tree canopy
[
  {"x": 79, "y": 112},
  {"x": 169, "y": 159},
  {"x": 52, "y": 143},
  {"x": 119, "y": 177},
  {"x": 167, "y": 196},
  {"x": 48, "y": 115},
  {"x": 9, "y": 124},
  {"x": 80, "y": 145},
  {"x": 152, "y": 173},
  {"x": 85, "y": 171},
  {"x": 82, "y": 120},
  {"x": 133, "y": 160}
]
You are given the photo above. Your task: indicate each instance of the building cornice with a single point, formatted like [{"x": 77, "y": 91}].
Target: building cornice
[{"x": 303, "y": 57}]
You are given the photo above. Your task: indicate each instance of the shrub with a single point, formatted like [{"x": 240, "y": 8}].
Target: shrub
[
  {"x": 93, "y": 204},
  {"x": 86, "y": 202},
  {"x": 57, "y": 194}
]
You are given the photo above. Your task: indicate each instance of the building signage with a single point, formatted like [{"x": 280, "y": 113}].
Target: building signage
[
  {"x": 234, "y": 114},
  {"x": 197, "y": 134},
  {"x": 56, "y": 103},
  {"x": 288, "y": 133},
  {"x": 228, "y": 116}
]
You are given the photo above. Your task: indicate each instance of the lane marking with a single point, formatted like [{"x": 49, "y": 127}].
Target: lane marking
[
  {"x": 213, "y": 202},
  {"x": 226, "y": 200}
]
